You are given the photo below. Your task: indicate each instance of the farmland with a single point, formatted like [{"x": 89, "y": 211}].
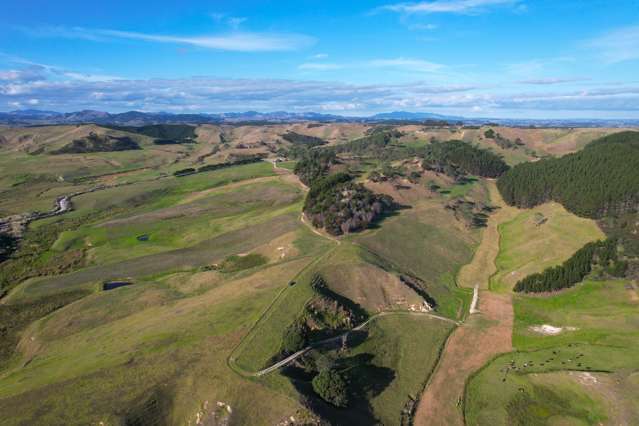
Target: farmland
[{"x": 164, "y": 297}]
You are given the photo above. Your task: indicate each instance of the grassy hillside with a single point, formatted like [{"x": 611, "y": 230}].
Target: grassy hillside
[
  {"x": 165, "y": 339},
  {"x": 536, "y": 239},
  {"x": 428, "y": 243}
]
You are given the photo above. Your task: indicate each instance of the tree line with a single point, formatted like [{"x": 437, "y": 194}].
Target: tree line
[
  {"x": 599, "y": 253},
  {"x": 217, "y": 166}
]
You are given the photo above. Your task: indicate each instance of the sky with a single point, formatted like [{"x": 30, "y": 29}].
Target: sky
[{"x": 474, "y": 58}]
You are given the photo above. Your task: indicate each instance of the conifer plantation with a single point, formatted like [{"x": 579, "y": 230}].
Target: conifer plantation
[{"x": 600, "y": 180}]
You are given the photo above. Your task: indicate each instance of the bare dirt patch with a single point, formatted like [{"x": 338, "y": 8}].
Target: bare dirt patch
[
  {"x": 278, "y": 249},
  {"x": 549, "y": 330},
  {"x": 469, "y": 347},
  {"x": 371, "y": 287}
]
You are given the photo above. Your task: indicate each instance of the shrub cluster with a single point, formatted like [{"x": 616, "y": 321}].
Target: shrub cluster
[{"x": 331, "y": 387}]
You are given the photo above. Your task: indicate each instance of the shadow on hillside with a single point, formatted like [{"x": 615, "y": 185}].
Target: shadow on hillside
[
  {"x": 387, "y": 215},
  {"x": 365, "y": 381}
]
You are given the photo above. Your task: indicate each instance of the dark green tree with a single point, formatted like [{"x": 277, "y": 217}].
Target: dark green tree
[{"x": 331, "y": 387}]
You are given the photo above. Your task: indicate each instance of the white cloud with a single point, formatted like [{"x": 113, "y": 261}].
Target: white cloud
[
  {"x": 616, "y": 46},
  {"x": 449, "y": 6},
  {"x": 236, "y": 41},
  {"x": 551, "y": 80},
  {"x": 319, "y": 66},
  {"x": 340, "y": 106},
  {"x": 422, "y": 27},
  {"x": 88, "y": 77},
  {"x": 412, "y": 65},
  {"x": 408, "y": 64},
  {"x": 236, "y": 21},
  {"x": 232, "y": 21},
  {"x": 320, "y": 56}
]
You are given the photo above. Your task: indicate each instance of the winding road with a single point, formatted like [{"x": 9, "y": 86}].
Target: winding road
[{"x": 334, "y": 339}]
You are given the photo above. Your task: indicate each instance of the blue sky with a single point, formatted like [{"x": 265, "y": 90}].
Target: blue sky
[{"x": 482, "y": 58}]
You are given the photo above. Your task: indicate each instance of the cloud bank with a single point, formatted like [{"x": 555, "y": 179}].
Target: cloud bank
[{"x": 64, "y": 90}]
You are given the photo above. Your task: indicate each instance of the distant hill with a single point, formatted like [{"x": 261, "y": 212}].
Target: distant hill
[
  {"x": 139, "y": 118},
  {"x": 414, "y": 116}
]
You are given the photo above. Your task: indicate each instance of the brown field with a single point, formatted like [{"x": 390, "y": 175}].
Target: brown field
[
  {"x": 555, "y": 142},
  {"x": 369, "y": 286}
]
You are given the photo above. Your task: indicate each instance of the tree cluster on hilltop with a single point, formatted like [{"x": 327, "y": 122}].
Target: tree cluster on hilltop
[
  {"x": 574, "y": 270},
  {"x": 340, "y": 206},
  {"x": 454, "y": 156},
  {"x": 374, "y": 145},
  {"x": 600, "y": 180},
  {"x": 98, "y": 143},
  {"x": 314, "y": 164},
  {"x": 305, "y": 140}
]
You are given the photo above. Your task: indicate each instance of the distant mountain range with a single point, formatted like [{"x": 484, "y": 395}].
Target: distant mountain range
[
  {"x": 414, "y": 116},
  {"x": 137, "y": 118}
]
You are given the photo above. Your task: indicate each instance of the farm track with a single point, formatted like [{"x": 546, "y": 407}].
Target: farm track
[{"x": 334, "y": 339}]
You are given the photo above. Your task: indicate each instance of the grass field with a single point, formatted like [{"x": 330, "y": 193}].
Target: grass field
[
  {"x": 265, "y": 339},
  {"x": 353, "y": 272},
  {"x": 156, "y": 339},
  {"x": 426, "y": 241},
  {"x": 526, "y": 247},
  {"x": 586, "y": 374},
  {"x": 158, "y": 349}
]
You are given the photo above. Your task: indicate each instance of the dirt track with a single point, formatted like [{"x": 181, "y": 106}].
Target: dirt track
[{"x": 470, "y": 346}]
